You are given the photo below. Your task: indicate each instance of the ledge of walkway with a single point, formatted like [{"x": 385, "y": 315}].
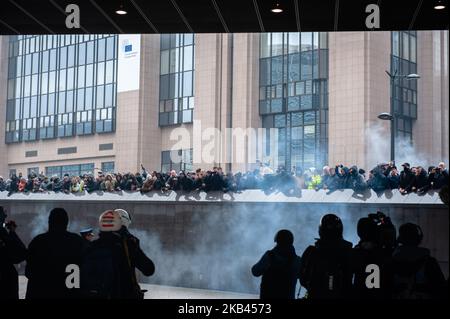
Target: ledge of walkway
[{"x": 346, "y": 196}]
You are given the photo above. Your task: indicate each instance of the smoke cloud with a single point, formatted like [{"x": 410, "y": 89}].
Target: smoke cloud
[
  {"x": 231, "y": 242},
  {"x": 378, "y": 141}
]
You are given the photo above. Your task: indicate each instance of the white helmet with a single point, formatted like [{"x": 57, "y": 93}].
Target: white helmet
[
  {"x": 110, "y": 221},
  {"x": 124, "y": 216}
]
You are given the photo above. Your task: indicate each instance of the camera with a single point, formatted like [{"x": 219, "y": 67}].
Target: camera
[{"x": 10, "y": 225}]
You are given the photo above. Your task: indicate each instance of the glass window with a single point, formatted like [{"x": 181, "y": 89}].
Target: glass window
[
  {"x": 62, "y": 80},
  {"x": 101, "y": 50},
  {"x": 306, "y": 41},
  {"x": 63, "y": 58},
  {"x": 277, "y": 44},
  {"x": 70, "y": 78},
  {"x": 71, "y": 56},
  {"x": 101, "y": 73},
  {"x": 395, "y": 43},
  {"x": 265, "y": 45},
  {"x": 165, "y": 62},
  {"x": 45, "y": 57},
  {"x": 109, "y": 77},
  {"x": 81, "y": 76},
  {"x": 187, "y": 83},
  {"x": 109, "y": 95},
  {"x": 188, "y": 57},
  {"x": 110, "y": 48},
  {"x": 35, "y": 63},
  {"x": 34, "y": 84},
  {"x": 294, "y": 42},
  {"x": 82, "y": 53},
  {"x": 413, "y": 49},
  {"x": 88, "y": 98},
  {"x": 90, "y": 52},
  {"x": 69, "y": 101},
  {"x": 405, "y": 46}
]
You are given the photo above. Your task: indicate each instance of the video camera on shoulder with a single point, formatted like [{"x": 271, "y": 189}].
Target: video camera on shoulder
[
  {"x": 380, "y": 218},
  {"x": 386, "y": 232}
]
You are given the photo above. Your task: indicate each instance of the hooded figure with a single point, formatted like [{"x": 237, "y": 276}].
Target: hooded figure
[
  {"x": 326, "y": 269},
  {"x": 378, "y": 181},
  {"x": 413, "y": 272},
  {"x": 356, "y": 180},
  {"x": 48, "y": 256},
  {"x": 279, "y": 268},
  {"x": 12, "y": 251},
  {"x": 406, "y": 178},
  {"x": 368, "y": 251}
]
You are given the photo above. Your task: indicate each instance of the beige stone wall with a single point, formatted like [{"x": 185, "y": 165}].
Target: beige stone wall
[
  {"x": 430, "y": 131},
  {"x": 245, "y": 109},
  {"x": 210, "y": 66},
  {"x": 358, "y": 92},
  {"x": 149, "y": 135},
  {"x": 87, "y": 148}
]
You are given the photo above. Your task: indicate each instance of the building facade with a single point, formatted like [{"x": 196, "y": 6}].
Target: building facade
[{"x": 81, "y": 103}]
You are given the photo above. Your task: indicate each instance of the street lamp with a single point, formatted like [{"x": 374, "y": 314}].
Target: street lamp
[{"x": 391, "y": 116}]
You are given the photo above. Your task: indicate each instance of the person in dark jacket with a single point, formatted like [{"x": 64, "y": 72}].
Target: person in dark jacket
[
  {"x": 332, "y": 182},
  {"x": 406, "y": 179},
  {"x": 48, "y": 256},
  {"x": 326, "y": 270},
  {"x": 420, "y": 180},
  {"x": 173, "y": 182},
  {"x": 393, "y": 179},
  {"x": 441, "y": 177},
  {"x": 431, "y": 178},
  {"x": 2, "y": 184},
  {"x": 356, "y": 180},
  {"x": 378, "y": 181},
  {"x": 413, "y": 272},
  {"x": 279, "y": 268},
  {"x": 342, "y": 172},
  {"x": 108, "y": 269},
  {"x": 13, "y": 185},
  {"x": 367, "y": 252},
  {"x": 12, "y": 251},
  {"x": 66, "y": 184}
]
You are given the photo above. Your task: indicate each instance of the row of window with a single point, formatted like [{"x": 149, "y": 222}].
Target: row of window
[
  {"x": 61, "y": 80},
  {"x": 61, "y": 86},
  {"x": 295, "y": 67},
  {"x": 404, "y": 91},
  {"x": 278, "y": 43},
  {"x": 62, "y": 125},
  {"x": 176, "y": 83},
  {"x": 102, "y": 96},
  {"x": 24, "y": 44},
  {"x": 72, "y": 170},
  {"x": 404, "y": 45},
  {"x": 293, "y": 78}
]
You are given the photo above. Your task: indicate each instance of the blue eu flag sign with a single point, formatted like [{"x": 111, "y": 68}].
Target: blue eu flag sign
[{"x": 128, "y": 48}]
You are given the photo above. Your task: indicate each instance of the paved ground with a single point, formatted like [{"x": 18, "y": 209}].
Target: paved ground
[{"x": 166, "y": 292}]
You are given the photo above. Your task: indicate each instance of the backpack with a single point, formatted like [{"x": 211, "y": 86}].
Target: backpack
[
  {"x": 100, "y": 276},
  {"x": 412, "y": 283},
  {"x": 326, "y": 272}
]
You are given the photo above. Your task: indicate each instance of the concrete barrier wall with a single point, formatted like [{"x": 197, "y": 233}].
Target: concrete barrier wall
[{"x": 211, "y": 241}]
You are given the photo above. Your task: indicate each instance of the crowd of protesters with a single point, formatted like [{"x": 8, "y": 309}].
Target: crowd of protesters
[
  {"x": 331, "y": 268},
  {"x": 382, "y": 177}
]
